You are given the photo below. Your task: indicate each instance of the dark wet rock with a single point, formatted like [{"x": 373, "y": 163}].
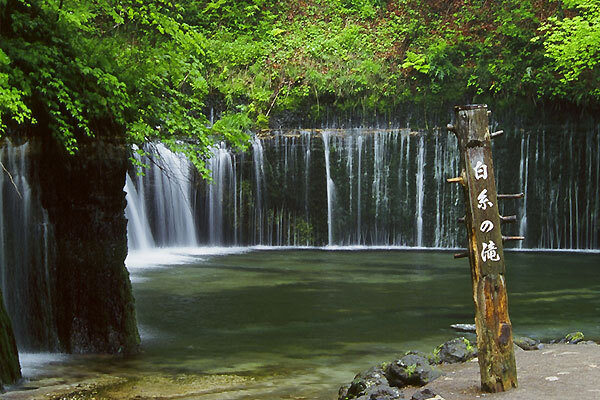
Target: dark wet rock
[
  {"x": 527, "y": 343},
  {"x": 463, "y": 327},
  {"x": 456, "y": 351},
  {"x": 383, "y": 392},
  {"x": 10, "y": 370},
  {"x": 431, "y": 358},
  {"x": 343, "y": 392},
  {"x": 425, "y": 394},
  {"x": 83, "y": 194},
  {"x": 374, "y": 376},
  {"x": 411, "y": 369},
  {"x": 573, "y": 338}
]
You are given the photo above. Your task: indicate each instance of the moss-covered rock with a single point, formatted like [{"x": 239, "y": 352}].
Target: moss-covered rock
[
  {"x": 455, "y": 351},
  {"x": 573, "y": 338},
  {"x": 10, "y": 370}
]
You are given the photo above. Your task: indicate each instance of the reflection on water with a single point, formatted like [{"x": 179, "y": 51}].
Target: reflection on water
[{"x": 311, "y": 319}]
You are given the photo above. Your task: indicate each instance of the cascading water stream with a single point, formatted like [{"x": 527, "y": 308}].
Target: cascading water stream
[
  {"x": 27, "y": 252},
  {"x": 420, "y": 191},
  {"x": 159, "y": 204},
  {"x": 330, "y": 188},
  {"x": 139, "y": 235},
  {"x": 376, "y": 187}
]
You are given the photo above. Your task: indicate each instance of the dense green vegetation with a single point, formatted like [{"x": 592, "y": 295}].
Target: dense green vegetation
[{"x": 153, "y": 69}]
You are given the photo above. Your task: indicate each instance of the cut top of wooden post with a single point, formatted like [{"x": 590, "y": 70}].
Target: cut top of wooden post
[{"x": 468, "y": 118}]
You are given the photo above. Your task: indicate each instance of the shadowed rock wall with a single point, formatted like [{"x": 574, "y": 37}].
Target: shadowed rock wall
[{"x": 84, "y": 197}]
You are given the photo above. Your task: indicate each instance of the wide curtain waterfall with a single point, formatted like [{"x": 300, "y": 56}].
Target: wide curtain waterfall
[{"x": 374, "y": 187}]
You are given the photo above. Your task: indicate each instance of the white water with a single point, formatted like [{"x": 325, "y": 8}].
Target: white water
[
  {"x": 420, "y": 191},
  {"x": 163, "y": 216},
  {"x": 139, "y": 235},
  {"x": 26, "y": 253},
  {"x": 330, "y": 189},
  {"x": 362, "y": 187}
]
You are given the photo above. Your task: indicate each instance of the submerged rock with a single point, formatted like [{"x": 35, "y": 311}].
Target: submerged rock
[
  {"x": 411, "y": 369},
  {"x": 455, "y": 351},
  {"x": 527, "y": 343}
]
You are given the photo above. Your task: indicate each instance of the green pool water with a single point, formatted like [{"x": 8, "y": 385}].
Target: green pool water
[
  {"x": 304, "y": 322},
  {"x": 311, "y": 319}
]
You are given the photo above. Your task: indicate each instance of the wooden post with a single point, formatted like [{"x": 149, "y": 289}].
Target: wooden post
[{"x": 494, "y": 331}]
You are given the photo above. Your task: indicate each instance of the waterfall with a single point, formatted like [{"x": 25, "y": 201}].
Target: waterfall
[
  {"x": 330, "y": 189},
  {"x": 159, "y": 202},
  {"x": 27, "y": 252},
  {"x": 369, "y": 187},
  {"x": 259, "y": 172},
  {"x": 420, "y": 191},
  {"x": 359, "y": 240},
  {"x": 221, "y": 192},
  {"x": 524, "y": 174},
  {"x": 139, "y": 235}
]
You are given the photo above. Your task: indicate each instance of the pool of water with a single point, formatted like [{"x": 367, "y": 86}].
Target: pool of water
[{"x": 303, "y": 322}]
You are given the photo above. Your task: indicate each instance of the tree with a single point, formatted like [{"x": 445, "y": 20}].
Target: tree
[
  {"x": 132, "y": 67},
  {"x": 573, "y": 45}
]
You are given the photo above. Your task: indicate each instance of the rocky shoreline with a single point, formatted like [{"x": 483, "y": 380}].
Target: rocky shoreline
[{"x": 412, "y": 371}]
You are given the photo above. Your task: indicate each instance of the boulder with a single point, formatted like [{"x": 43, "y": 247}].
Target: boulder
[
  {"x": 382, "y": 392},
  {"x": 527, "y": 343},
  {"x": 411, "y": 369},
  {"x": 426, "y": 394},
  {"x": 10, "y": 370},
  {"x": 374, "y": 376},
  {"x": 573, "y": 338},
  {"x": 83, "y": 195},
  {"x": 455, "y": 351}
]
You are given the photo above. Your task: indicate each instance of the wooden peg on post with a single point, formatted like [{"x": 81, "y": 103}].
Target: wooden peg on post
[{"x": 486, "y": 255}]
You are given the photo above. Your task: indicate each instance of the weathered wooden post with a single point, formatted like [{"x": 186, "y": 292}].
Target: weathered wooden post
[{"x": 482, "y": 219}]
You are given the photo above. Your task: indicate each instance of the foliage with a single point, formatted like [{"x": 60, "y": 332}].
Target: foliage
[
  {"x": 573, "y": 45},
  {"x": 152, "y": 70},
  {"x": 132, "y": 68}
]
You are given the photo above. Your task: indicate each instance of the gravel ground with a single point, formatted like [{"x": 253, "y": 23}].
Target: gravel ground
[{"x": 556, "y": 372}]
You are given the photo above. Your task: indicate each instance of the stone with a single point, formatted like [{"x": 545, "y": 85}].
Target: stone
[
  {"x": 83, "y": 194},
  {"x": 374, "y": 376},
  {"x": 464, "y": 327},
  {"x": 343, "y": 392},
  {"x": 10, "y": 369},
  {"x": 431, "y": 358},
  {"x": 425, "y": 394},
  {"x": 456, "y": 351},
  {"x": 384, "y": 392},
  {"x": 411, "y": 369},
  {"x": 527, "y": 343},
  {"x": 573, "y": 338}
]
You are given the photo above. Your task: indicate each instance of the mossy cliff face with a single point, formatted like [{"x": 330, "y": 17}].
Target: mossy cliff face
[
  {"x": 10, "y": 369},
  {"x": 84, "y": 196}
]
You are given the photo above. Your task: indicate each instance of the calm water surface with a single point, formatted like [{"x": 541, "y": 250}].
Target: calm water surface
[
  {"x": 313, "y": 318},
  {"x": 305, "y": 321}
]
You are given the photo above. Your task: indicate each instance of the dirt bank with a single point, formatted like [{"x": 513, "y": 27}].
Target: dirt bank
[{"x": 556, "y": 372}]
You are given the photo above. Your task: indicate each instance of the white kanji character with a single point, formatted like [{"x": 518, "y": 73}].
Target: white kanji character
[
  {"x": 480, "y": 171},
  {"x": 483, "y": 200},
  {"x": 486, "y": 226},
  {"x": 489, "y": 252}
]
